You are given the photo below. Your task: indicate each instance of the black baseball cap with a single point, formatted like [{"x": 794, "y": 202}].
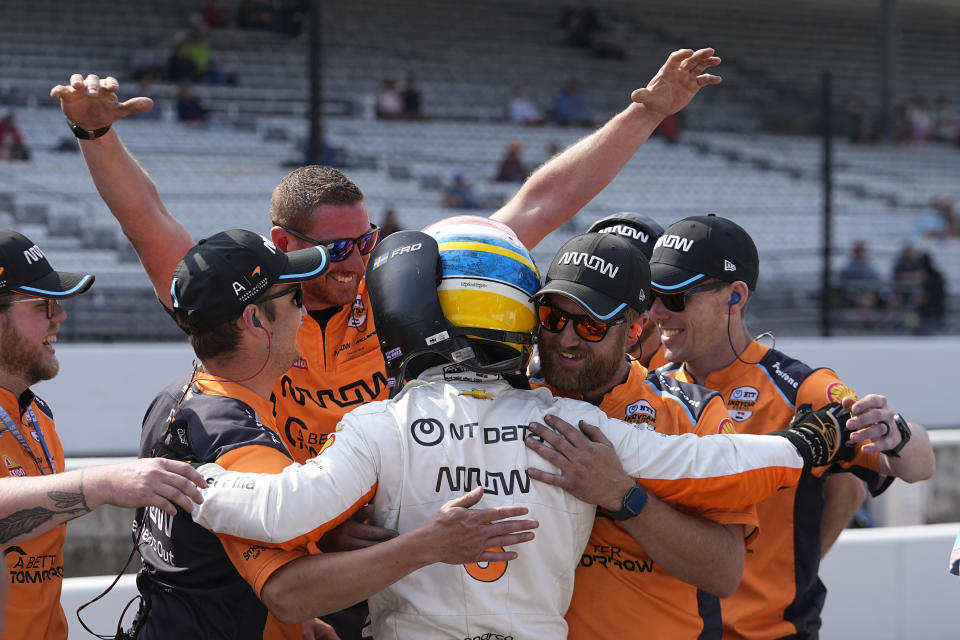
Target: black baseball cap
[
  {"x": 224, "y": 273},
  {"x": 701, "y": 247},
  {"x": 641, "y": 230},
  {"x": 602, "y": 272},
  {"x": 24, "y": 269}
]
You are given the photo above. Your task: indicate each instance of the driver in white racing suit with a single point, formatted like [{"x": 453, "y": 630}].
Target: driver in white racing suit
[{"x": 452, "y": 311}]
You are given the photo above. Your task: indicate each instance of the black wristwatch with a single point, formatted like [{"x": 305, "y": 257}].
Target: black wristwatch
[
  {"x": 904, "y": 430},
  {"x": 87, "y": 134},
  {"x": 633, "y": 503}
]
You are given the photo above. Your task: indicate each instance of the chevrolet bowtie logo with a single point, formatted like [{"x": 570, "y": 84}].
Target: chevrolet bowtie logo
[{"x": 477, "y": 393}]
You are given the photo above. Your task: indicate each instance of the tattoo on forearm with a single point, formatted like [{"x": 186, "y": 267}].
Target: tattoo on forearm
[{"x": 26, "y": 520}]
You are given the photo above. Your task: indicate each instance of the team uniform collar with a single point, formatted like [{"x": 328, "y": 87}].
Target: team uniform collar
[{"x": 216, "y": 386}]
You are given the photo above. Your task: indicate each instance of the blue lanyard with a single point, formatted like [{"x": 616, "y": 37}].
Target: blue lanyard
[{"x": 15, "y": 430}]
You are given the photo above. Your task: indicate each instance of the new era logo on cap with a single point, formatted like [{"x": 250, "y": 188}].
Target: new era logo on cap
[
  {"x": 698, "y": 248},
  {"x": 603, "y": 273}
]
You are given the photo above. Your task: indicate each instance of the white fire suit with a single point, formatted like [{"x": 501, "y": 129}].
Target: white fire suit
[{"x": 443, "y": 435}]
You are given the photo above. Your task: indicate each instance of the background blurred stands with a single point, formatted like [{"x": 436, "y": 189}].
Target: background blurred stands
[
  {"x": 459, "y": 194},
  {"x": 190, "y": 109},
  {"x": 390, "y": 223},
  {"x": 864, "y": 292}
]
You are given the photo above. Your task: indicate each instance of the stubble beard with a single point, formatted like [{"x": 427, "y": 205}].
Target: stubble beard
[
  {"x": 23, "y": 360},
  {"x": 595, "y": 369}
]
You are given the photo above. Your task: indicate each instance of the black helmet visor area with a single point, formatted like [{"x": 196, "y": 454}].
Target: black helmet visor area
[{"x": 403, "y": 274}]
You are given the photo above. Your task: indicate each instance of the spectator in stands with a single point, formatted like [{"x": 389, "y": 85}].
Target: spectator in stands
[
  {"x": 390, "y": 223},
  {"x": 937, "y": 221},
  {"x": 389, "y": 103},
  {"x": 932, "y": 298},
  {"x": 579, "y": 25},
  {"x": 13, "y": 145},
  {"x": 459, "y": 193},
  {"x": 197, "y": 50},
  {"x": 189, "y": 108},
  {"x": 179, "y": 66},
  {"x": 522, "y": 110},
  {"x": 512, "y": 168},
  {"x": 907, "y": 285},
  {"x": 571, "y": 106},
  {"x": 213, "y": 16},
  {"x": 863, "y": 288},
  {"x": 945, "y": 127},
  {"x": 412, "y": 98},
  {"x": 920, "y": 120}
]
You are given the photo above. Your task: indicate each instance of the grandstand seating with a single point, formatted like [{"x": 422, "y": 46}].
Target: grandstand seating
[{"x": 467, "y": 59}]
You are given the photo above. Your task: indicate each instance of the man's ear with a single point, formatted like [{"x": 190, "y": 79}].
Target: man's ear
[
  {"x": 249, "y": 320},
  {"x": 633, "y": 337},
  {"x": 280, "y": 238}
]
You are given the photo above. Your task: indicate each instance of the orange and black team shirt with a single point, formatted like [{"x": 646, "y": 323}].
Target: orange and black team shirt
[
  {"x": 618, "y": 588},
  {"x": 35, "y": 565},
  {"x": 197, "y": 584},
  {"x": 340, "y": 368},
  {"x": 780, "y": 593}
]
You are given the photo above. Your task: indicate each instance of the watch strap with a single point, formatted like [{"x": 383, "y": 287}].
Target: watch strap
[
  {"x": 87, "y": 134},
  {"x": 905, "y": 434},
  {"x": 633, "y": 503}
]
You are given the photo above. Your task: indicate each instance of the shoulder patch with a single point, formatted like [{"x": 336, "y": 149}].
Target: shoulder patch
[
  {"x": 787, "y": 373},
  {"x": 837, "y": 391},
  {"x": 693, "y": 397},
  {"x": 726, "y": 426}
]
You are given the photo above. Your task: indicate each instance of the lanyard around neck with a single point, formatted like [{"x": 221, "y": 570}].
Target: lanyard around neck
[{"x": 13, "y": 428}]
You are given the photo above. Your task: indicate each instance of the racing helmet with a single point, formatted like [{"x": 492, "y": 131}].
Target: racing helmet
[{"x": 457, "y": 292}]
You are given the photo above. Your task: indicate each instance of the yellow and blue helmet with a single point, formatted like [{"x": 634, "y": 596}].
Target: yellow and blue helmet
[{"x": 458, "y": 292}]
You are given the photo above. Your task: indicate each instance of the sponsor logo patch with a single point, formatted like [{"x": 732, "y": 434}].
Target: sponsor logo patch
[
  {"x": 726, "y": 426},
  {"x": 742, "y": 401},
  {"x": 13, "y": 467},
  {"x": 837, "y": 391},
  {"x": 300, "y": 363},
  {"x": 640, "y": 411},
  {"x": 358, "y": 314},
  {"x": 477, "y": 393}
]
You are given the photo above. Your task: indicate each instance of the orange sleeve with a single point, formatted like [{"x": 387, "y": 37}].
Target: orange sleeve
[{"x": 256, "y": 562}]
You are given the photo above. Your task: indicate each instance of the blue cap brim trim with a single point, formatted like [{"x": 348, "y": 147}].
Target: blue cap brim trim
[
  {"x": 673, "y": 287},
  {"x": 311, "y": 274},
  {"x": 584, "y": 304},
  {"x": 85, "y": 282},
  {"x": 173, "y": 294}
]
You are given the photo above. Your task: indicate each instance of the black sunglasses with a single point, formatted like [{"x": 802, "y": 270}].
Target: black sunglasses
[
  {"x": 296, "y": 289},
  {"x": 585, "y": 326},
  {"x": 676, "y": 302},
  {"x": 341, "y": 249}
]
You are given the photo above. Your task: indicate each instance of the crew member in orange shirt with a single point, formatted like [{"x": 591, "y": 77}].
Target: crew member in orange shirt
[
  {"x": 704, "y": 270},
  {"x": 661, "y": 572},
  {"x": 37, "y": 496}
]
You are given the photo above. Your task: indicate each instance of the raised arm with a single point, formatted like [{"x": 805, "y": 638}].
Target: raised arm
[
  {"x": 565, "y": 184},
  {"x": 158, "y": 238},
  {"x": 34, "y": 505}
]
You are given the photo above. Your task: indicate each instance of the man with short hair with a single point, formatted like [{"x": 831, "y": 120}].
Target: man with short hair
[
  {"x": 704, "y": 270},
  {"x": 663, "y": 570},
  {"x": 239, "y": 299},
  {"x": 37, "y": 495}
]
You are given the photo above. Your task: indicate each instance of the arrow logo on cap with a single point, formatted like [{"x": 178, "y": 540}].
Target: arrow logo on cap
[
  {"x": 729, "y": 266},
  {"x": 256, "y": 271}
]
